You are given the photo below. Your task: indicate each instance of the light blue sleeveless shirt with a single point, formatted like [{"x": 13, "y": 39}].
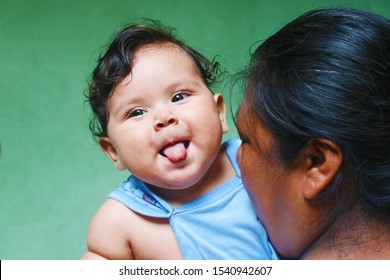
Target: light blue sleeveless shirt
[{"x": 220, "y": 225}]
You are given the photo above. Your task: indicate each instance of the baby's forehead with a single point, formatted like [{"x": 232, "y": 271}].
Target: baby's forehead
[
  {"x": 168, "y": 58},
  {"x": 170, "y": 49},
  {"x": 161, "y": 46}
]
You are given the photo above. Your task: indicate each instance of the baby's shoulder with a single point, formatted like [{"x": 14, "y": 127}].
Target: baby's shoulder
[
  {"x": 109, "y": 232},
  {"x": 141, "y": 234},
  {"x": 114, "y": 214}
]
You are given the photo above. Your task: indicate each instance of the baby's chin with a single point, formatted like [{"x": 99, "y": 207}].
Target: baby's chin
[
  {"x": 178, "y": 185},
  {"x": 179, "y": 182}
]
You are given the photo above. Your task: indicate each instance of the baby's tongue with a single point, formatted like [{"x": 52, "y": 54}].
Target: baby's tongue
[{"x": 175, "y": 152}]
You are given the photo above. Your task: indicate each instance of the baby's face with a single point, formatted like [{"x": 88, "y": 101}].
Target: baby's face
[{"x": 165, "y": 126}]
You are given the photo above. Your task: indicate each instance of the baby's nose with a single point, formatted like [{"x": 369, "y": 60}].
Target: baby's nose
[{"x": 164, "y": 120}]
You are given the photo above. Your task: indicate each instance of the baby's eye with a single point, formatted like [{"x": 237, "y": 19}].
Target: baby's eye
[
  {"x": 179, "y": 96},
  {"x": 135, "y": 113}
]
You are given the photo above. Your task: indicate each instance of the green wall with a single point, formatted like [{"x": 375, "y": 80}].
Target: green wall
[{"x": 53, "y": 176}]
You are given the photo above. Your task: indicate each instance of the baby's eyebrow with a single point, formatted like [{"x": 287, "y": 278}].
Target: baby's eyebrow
[{"x": 123, "y": 105}]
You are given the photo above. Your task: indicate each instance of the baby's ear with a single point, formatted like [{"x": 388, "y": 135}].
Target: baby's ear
[
  {"x": 110, "y": 151},
  {"x": 222, "y": 111},
  {"x": 321, "y": 160}
]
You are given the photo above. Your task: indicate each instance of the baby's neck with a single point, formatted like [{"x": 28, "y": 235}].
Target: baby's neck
[{"x": 219, "y": 172}]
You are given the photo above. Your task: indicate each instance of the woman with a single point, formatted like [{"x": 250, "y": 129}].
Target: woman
[{"x": 315, "y": 125}]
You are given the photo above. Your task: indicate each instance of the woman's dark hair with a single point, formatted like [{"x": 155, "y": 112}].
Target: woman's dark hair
[
  {"x": 117, "y": 63},
  {"x": 327, "y": 74}
]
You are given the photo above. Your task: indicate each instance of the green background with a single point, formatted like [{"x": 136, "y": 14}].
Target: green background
[{"x": 53, "y": 176}]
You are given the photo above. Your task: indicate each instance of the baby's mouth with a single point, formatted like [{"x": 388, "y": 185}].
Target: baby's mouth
[{"x": 176, "y": 151}]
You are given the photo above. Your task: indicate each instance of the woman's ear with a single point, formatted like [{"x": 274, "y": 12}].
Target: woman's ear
[
  {"x": 222, "y": 111},
  {"x": 110, "y": 151},
  {"x": 321, "y": 160}
]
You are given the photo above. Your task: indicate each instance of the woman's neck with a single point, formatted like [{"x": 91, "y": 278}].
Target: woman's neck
[{"x": 354, "y": 239}]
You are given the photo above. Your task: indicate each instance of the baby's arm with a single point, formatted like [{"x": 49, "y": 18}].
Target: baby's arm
[{"x": 107, "y": 236}]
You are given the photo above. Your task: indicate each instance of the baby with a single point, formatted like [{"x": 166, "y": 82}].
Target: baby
[{"x": 156, "y": 117}]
